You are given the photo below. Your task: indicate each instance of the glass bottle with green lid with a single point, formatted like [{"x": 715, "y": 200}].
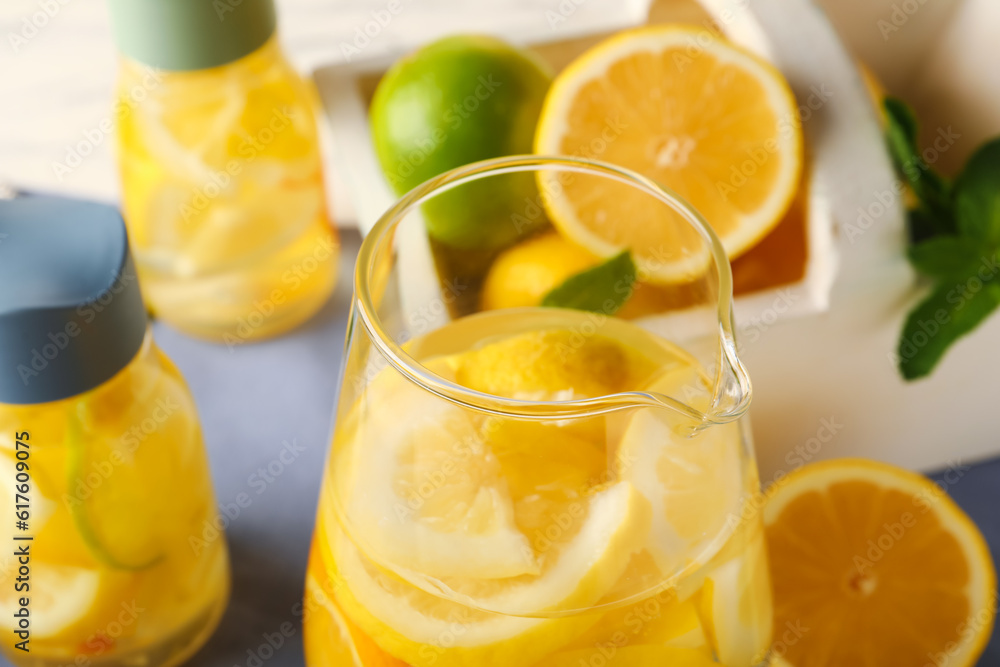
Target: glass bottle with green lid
[
  {"x": 222, "y": 184},
  {"x": 114, "y": 552}
]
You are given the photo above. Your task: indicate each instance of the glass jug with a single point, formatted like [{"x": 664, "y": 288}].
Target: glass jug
[{"x": 538, "y": 485}]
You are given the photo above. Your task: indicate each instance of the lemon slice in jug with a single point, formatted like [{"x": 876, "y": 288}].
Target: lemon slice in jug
[
  {"x": 693, "y": 482},
  {"x": 423, "y": 490},
  {"x": 413, "y": 624}
]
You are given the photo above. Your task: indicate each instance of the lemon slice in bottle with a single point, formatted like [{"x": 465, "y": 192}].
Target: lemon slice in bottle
[{"x": 60, "y": 597}]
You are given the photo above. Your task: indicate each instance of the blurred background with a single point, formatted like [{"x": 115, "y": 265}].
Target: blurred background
[{"x": 58, "y": 79}]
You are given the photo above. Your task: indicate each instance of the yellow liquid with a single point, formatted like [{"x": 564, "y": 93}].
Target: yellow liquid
[
  {"x": 222, "y": 191},
  {"x": 674, "y": 574},
  {"x": 126, "y": 563}
]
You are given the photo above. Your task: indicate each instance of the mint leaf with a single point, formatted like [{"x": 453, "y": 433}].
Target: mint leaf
[
  {"x": 602, "y": 289},
  {"x": 977, "y": 195},
  {"x": 948, "y": 313},
  {"x": 955, "y": 236},
  {"x": 901, "y": 131},
  {"x": 947, "y": 256},
  {"x": 931, "y": 189}
]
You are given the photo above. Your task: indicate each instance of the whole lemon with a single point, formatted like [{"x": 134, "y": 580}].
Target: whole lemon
[
  {"x": 455, "y": 101},
  {"x": 523, "y": 275}
]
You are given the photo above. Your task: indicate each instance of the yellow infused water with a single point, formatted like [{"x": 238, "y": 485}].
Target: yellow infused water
[
  {"x": 222, "y": 191},
  {"x": 120, "y": 495},
  {"x": 610, "y": 534}
]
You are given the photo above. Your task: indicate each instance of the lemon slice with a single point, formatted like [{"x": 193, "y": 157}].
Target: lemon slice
[
  {"x": 329, "y": 637},
  {"x": 705, "y": 118},
  {"x": 553, "y": 365},
  {"x": 736, "y": 601},
  {"x": 880, "y": 564},
  {"x": 42, "y": 508},
  {"x": 693, "y": 482},
  {"x": 557, "y": 364},
  {"x": 663, "y": 619},
  {"x": 446, "y": 492},
  {"x": 416, "y": 626},
  {"x": 60, "y": 596},
  {"x": 422, "y": 489}
]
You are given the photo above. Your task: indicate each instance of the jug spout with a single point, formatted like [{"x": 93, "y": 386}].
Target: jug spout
[{"x": 732, "y": 384}]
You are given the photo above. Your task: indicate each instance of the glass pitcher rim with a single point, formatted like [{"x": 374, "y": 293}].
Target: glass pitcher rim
[{"x": 416, "y": 372}]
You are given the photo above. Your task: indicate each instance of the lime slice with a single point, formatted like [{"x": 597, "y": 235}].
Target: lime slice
[{"x": 118, "y": 499}]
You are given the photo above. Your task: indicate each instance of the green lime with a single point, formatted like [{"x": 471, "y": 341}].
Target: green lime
[{"x": 459, "y": 100}]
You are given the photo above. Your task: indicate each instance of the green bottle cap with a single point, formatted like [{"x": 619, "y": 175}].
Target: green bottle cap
[{"x": 190, "y": 34}]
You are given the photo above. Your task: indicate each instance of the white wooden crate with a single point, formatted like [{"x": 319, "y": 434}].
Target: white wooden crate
[{"x": 824, "y": 381}]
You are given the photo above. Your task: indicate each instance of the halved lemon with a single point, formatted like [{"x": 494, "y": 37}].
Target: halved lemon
[
  {"x": 711, "y": 121},
  {"x": 874, "y": 565}
]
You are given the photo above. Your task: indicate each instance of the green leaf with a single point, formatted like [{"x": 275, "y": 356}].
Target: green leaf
[
  {"x": 948, "y": 256},
  {"x": 977, "y": 195},
  {"x": 951, "y": 311},
  {"x": 602, "y": 289},
  {"x": 901, "y": 131},
  {"x": 932, "y": 190}
]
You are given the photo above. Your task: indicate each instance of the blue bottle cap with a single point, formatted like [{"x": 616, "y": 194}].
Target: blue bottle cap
[{"x": 71, "y": 314}]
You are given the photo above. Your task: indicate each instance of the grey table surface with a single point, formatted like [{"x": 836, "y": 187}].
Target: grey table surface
[
  {"x": 255, "y": 401},
  {"x": 259, "y": 399}
]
